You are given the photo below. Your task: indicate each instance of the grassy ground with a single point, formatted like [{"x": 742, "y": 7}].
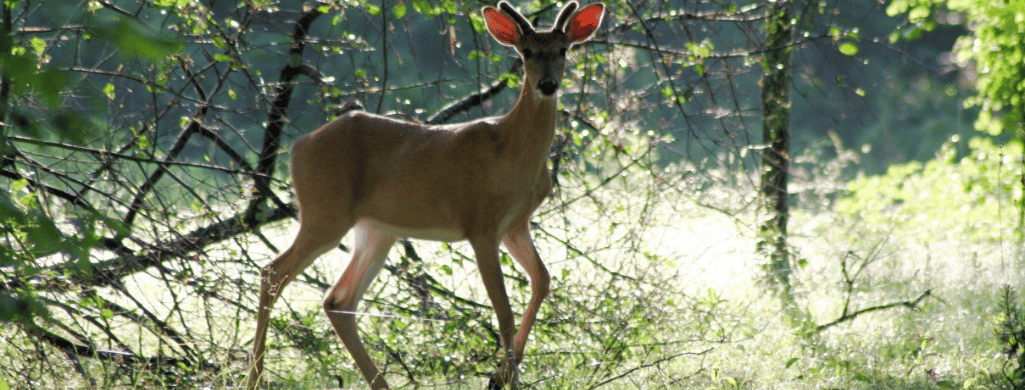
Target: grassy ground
[
  {"x": 653, "y": 289},
  {"x": 682, "y": 303}
]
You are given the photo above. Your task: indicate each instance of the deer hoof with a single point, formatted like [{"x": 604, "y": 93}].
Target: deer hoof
[{"x": 505, "y": 375}]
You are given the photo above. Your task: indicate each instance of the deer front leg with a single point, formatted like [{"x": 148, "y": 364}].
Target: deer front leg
[
  {"x": 491, "y": 272},
  {"x": 521, "y": 247}
]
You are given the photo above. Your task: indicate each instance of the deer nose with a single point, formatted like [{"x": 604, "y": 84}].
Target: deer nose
[{"x": 548, "y": 87}]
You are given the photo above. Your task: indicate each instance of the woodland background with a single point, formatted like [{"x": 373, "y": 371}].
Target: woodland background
[{"x": 783, "y": 194}]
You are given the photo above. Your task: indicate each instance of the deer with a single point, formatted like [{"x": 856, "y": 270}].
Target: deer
[{"x": 478, "y": 181}]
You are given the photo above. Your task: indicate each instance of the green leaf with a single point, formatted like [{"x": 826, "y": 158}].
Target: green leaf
[
  {"x": 791, "y": 362},
  {"x": 732, "y": 382},
  {"x": 849, "y": 49},
  {"x": 399, "y": 10},
  {"x": 897, "y": 7},
  {"x": 18, "y": 185},
  {"x": 449, "y": 6},
  {"x": 919, "y": 13},
  {"x": 134, "y": 38},
  {"x": 109, "y": 91},
  {"x": 667, "y": 92},
  {"x": 25, "y": 74},
  {"x": 38, "y": 46},
  {"x": 44, "y": 236},
  {"x": 51, "y": 83},
  {"x": 423, "y": 7},
  {"x": 914, "y": 33},
  {"x": 144, "y": 143}
]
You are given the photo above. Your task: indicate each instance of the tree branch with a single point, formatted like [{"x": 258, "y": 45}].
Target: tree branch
[
  {"x": 910, "y": 304},
  {"x": 282, "y": 98},
  {"x": 70, "y": 347},
  {"x": 445, "y": 113},
  {"x": 176, "y": 149},
  {"x": 109, "y": 273}
]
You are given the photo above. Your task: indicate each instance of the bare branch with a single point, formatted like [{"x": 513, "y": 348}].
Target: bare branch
[
  {"x": 70, "y": 347},
  {"x": 445, "y": 113},
  {"x": 909, "y": 304},
  {"x": 279, "y": 107}
]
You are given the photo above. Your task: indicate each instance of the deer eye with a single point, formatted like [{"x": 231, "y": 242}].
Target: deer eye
[{"x": 527, "y": 53}]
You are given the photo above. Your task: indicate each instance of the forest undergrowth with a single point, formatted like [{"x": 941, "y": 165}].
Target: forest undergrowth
[{"x": 655, "y": 285}]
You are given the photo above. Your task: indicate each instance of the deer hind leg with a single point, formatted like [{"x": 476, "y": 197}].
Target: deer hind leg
[
  {"x": 368, "y": 255},
  {"x": 315, "y": 237}
]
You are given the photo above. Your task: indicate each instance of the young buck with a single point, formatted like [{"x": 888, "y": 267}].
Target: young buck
[{"x": 479, "y": 181}]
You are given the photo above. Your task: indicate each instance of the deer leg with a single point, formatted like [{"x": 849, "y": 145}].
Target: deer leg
[
  {"x": 368, "y": 255},
  {"x": 491, "y": 272},
  {"x": 312, "y": 241},
  {"x": 521, "y": 247}
]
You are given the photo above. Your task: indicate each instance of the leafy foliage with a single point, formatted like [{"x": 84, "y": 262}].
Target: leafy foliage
[
  {"x": 1011, "y": 331},
  {"x": 967, "y": 197},
  {"x": 143, "y": 186},
  {"x": 142, "y": 240},
  {"x": 994, "y": 48}
]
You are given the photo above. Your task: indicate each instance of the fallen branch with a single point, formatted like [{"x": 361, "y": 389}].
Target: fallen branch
[
  {"x": 646, "y": 365},
  {"x": 910, "y": 304},
  {"x": 72, "y": 348},
  {"x": 111, "y": 272}
]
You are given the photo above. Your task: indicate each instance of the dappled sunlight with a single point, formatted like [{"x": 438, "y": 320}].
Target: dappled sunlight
[{"x": 144, "y": 183}]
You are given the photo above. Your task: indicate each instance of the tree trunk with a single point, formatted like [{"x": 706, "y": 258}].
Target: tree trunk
[
  {"x": 776, "y": 137},
  {"x": 1021, "y": 201}
]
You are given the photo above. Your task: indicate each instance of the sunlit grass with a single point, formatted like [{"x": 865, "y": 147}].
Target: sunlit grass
[{"x": 652, "y": 289}]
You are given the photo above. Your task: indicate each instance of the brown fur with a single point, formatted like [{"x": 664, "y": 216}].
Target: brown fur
[{"x": 384, "y": 179}]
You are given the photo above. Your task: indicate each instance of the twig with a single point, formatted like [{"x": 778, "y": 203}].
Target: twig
[
  {"x": 646, "y": 365},
  {"x": 384, "y": 56},
  {"x": 5, "y": 82},
  {"x": 473, "y": 100}
]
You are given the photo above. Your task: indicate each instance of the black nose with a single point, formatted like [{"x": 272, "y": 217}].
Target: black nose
[{"x": 548, "y": 87}]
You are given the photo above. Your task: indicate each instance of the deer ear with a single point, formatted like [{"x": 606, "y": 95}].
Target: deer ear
[
  {"x": 502, "y": 26},
  {"x": 585, "y": 22}
]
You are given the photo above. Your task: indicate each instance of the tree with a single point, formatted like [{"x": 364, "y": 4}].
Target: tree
[
  {"x": 775, "y": 166},
  {"x": 143, "y": 183},
  {"x": 995, "y": 48},
  {"x": 177, "y": 191}
]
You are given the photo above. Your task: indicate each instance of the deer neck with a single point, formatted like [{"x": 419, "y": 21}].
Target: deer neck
[{"x": 532, "y": 123}]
